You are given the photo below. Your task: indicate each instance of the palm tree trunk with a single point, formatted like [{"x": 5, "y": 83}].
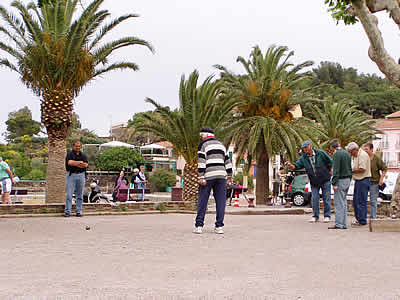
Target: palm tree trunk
[
  {"x": 262, "y": 180},
  {"x": 56, "y": 111},
  {"x": 190, "y": 183},
  {"x": 56, "y": 174}
]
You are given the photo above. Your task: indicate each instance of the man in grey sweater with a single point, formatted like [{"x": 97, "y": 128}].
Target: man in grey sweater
[{"x": 215, "y": 168}]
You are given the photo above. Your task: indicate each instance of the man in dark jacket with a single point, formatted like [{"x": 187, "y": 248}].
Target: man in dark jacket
[
  {"x": 317, "y": 164},
  {"x": 341, "y": 179},
  {"x": 76, "y": 163}
]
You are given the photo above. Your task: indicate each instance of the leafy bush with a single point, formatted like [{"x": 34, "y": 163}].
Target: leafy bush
[
  {"x": 161, "y": 179},
  {"x": 18, "y": 162},
  {"x": 115, "y": 159},
  {"x": 239, "y": 177},
  {"x": 36, "y": 174}
]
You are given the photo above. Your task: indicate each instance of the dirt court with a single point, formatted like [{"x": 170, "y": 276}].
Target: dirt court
[{"x": 158, "y": 257}]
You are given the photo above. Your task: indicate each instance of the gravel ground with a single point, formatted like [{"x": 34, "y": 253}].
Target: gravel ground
[{"x": 157, "y": 257}]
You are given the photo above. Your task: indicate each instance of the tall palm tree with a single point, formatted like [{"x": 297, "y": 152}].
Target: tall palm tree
[
  {"x": 57, "y": 52},
  {"x": 199, "y": 106},
  {"x": 263, "y": 125},
  {"x": 342, "y": 121}
]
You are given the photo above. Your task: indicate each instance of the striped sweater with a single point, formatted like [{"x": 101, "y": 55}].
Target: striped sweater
[{"x": 213, "y": 162}]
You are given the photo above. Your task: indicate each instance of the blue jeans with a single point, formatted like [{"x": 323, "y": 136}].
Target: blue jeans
[
  {"x": 326, "y": 197},
  {"x": 75, "y": 183},
  {"x": 340, "y": 200},
  {"x": 373, "y": 199},
  {"x": 141, "y": 186},
  {"x": 219, "y": 190},
  {"x": 360, "y": 200}
]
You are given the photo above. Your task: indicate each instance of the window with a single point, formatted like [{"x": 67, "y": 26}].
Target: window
[
  {"x": 386, "y": 157},
  {"x": 385, "y": 141},
  {"x": 398, "y": 157}
]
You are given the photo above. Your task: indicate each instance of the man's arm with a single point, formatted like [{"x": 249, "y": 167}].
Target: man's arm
[
  {"x": 336, "y": 166},
  {"x": 299, "y": 164},
  {"x": 201, "y": 157},
  {"x": 383, "y": 168}
]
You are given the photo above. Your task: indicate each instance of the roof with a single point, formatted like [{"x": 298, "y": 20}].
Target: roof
[
  {"x": 152, "y": 146},
  {"x": 117, "y": 144},
  {"x": 166, "y": 144},
  {"x": 393, "y": 115},
  {"x": 383, "y": 124}
]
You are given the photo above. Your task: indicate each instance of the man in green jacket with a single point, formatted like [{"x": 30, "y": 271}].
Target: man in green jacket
[
  {"x": 341, "y": 179},
  {"x": 378, "y": 172},
  {"x": 318, "y": 166}
]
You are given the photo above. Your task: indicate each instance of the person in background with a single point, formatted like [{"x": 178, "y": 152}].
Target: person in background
[
  {"x": 318, "y": 166},
  {"x": 215, "y": 170},
  {"x": 6, "y": 180},
  {"x": 119, "y": 179},
  {"x": 378, "y": 172},
  {"x": 76, "y": 163},
  {"x": 361, "y": 176},
  {"x": 341, "y": 179},
  {"x": 133, "y": 179},
  {"x": 141, "y": 182}
]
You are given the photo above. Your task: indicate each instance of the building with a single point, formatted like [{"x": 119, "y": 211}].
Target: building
[
  {"x": 389, "y": 142},
  {"x": 159, "y": 155}
]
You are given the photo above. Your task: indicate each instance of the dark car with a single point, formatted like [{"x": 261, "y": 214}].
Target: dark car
[{"x": 297, "y": 188}]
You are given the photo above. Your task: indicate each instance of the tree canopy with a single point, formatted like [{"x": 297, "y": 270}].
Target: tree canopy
[{"x": 20, "y": 123}]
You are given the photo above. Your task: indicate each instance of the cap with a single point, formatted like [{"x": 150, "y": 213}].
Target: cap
[
  {"x": 305, "y": 144},
  {"x": 207, "y": 129}
]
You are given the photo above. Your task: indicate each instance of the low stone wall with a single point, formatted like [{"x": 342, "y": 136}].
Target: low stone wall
[
  {"x": 22, "y": 209},
  {"x": 383, "y": 208}
]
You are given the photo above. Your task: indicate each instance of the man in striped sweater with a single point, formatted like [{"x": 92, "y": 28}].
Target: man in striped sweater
[{"x": 215, "y": 168}]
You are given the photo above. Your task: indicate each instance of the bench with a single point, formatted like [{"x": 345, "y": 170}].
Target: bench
[
  {"x": 17, "y": 192},
  {"x": 131, "y": 192}
]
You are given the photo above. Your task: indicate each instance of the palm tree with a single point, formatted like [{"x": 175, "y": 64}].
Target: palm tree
[
  {"x": 342, "y": 121},
  {"x": 263, "y": 125},
  {"x": 56, "y": 53},
  {"x": 199, "y": 106}
]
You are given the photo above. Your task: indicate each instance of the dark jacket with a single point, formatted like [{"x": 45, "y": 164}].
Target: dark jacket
[
  {"x": 323, "y": 164},
  {"x": 341, "y": 166},
  {"x": 71, "y": 155}
]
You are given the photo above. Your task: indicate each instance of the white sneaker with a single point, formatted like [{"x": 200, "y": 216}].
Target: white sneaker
[
  {"x": 327, "y": 220},
  {"x": 219, "y": 230},
  {"x": 313, "y": 220},
  {"x": 198, "y": 230},
  {"x": 354, "y": 222}
]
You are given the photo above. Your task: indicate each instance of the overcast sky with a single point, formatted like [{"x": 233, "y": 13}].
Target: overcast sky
[{"x": 189, "y": 35}]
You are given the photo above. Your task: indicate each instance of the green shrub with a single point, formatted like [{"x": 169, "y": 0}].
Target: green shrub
[
  {"x": 239, "y": 177},
  {"x": 117, "y": 158},
  {"x": 161, "y": 179},
  {"x": 36, "y": 174}
]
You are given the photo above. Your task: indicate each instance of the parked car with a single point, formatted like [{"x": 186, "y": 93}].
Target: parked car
[
  {"x": 297, "y": 188},
  {"x": 390, "y": 181},
  {"x": 386, "y": 194}
]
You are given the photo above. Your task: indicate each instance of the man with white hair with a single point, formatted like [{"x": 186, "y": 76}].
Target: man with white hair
[
  {"x": 214, "y": 168},
  {"x": 6, "y": 180},
  {"x": 361, "y": 176}
]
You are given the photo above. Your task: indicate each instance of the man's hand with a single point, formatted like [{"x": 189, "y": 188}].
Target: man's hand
[
  {"x": 335, "y": 188},
  {"x": 229, "y": 181},
  {"x": 14, "y": 181},
  {"x": 202, "y": 182},
  {"x": 82, "y": 164}
]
